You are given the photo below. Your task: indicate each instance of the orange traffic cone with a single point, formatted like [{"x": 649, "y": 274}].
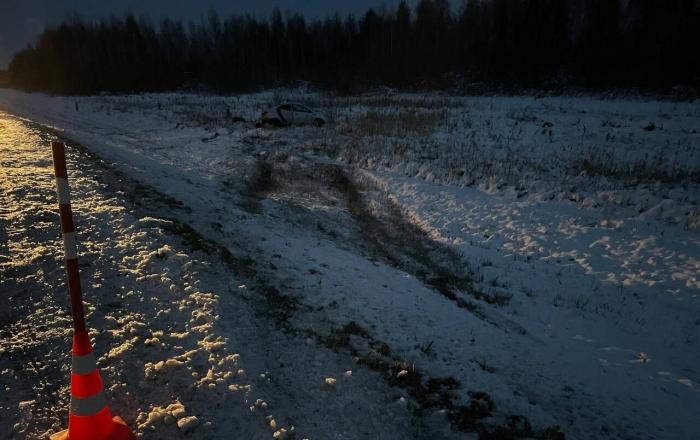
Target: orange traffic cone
[{"x": 90, "y": 417}]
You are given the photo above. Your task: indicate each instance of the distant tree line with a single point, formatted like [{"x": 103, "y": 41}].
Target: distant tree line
[{"x": 529, "y": 43}]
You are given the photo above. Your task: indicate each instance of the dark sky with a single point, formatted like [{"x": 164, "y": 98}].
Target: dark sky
[{"x": 22, "y": 20}]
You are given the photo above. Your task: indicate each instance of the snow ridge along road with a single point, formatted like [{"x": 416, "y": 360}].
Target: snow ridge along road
[{"x": 347, "y": 291}]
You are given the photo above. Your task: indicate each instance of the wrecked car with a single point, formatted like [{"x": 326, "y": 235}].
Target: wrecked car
[{"x": 293, "y": 114}]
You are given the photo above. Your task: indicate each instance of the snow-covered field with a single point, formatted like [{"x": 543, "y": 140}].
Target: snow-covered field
[{"x": 424, "y": 267}]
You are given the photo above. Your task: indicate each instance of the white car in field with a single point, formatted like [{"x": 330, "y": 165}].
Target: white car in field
[{"x": 293, "y": 114}]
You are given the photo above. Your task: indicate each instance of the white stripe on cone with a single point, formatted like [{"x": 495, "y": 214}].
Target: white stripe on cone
[
  {"x": 83, "y": 365},
  {"x": 69, "y": 245},
  {"x": 88, "y": 406},
  {"x": 62, "y": 190}
]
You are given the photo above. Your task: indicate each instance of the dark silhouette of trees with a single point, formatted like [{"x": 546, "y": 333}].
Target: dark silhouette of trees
[
  {"x": 530, "y": 43},
  {"x": 598, "y": 45}
]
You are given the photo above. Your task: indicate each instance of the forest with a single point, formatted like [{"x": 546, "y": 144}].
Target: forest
[{"x": 599, "y": 44}]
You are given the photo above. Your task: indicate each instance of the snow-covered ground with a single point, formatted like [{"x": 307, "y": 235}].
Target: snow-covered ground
[{"x": 474, "y": 262}]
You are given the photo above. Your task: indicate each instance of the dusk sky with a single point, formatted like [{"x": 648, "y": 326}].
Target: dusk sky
[{"x": 22, "y": 20}]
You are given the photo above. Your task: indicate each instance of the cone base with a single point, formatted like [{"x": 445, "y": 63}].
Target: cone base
[{"x": 120, "y": 432}]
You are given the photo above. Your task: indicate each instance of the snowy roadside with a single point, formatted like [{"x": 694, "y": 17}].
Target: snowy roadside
[
  {"x": 564, "y": 292},
  {"x": 156, "y": 295}
]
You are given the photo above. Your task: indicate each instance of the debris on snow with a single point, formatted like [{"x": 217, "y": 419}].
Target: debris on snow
[
  {"x": 271, "y": 422},
  {"x": 121, "y": 349},
  {"x": 648, "y": 126},
  {"x": 187, "y": 424},
  {"x": 26, "y": 404}
]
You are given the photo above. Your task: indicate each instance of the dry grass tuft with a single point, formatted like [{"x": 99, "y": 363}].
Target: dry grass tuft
[{"x": 376, "y": 123}]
